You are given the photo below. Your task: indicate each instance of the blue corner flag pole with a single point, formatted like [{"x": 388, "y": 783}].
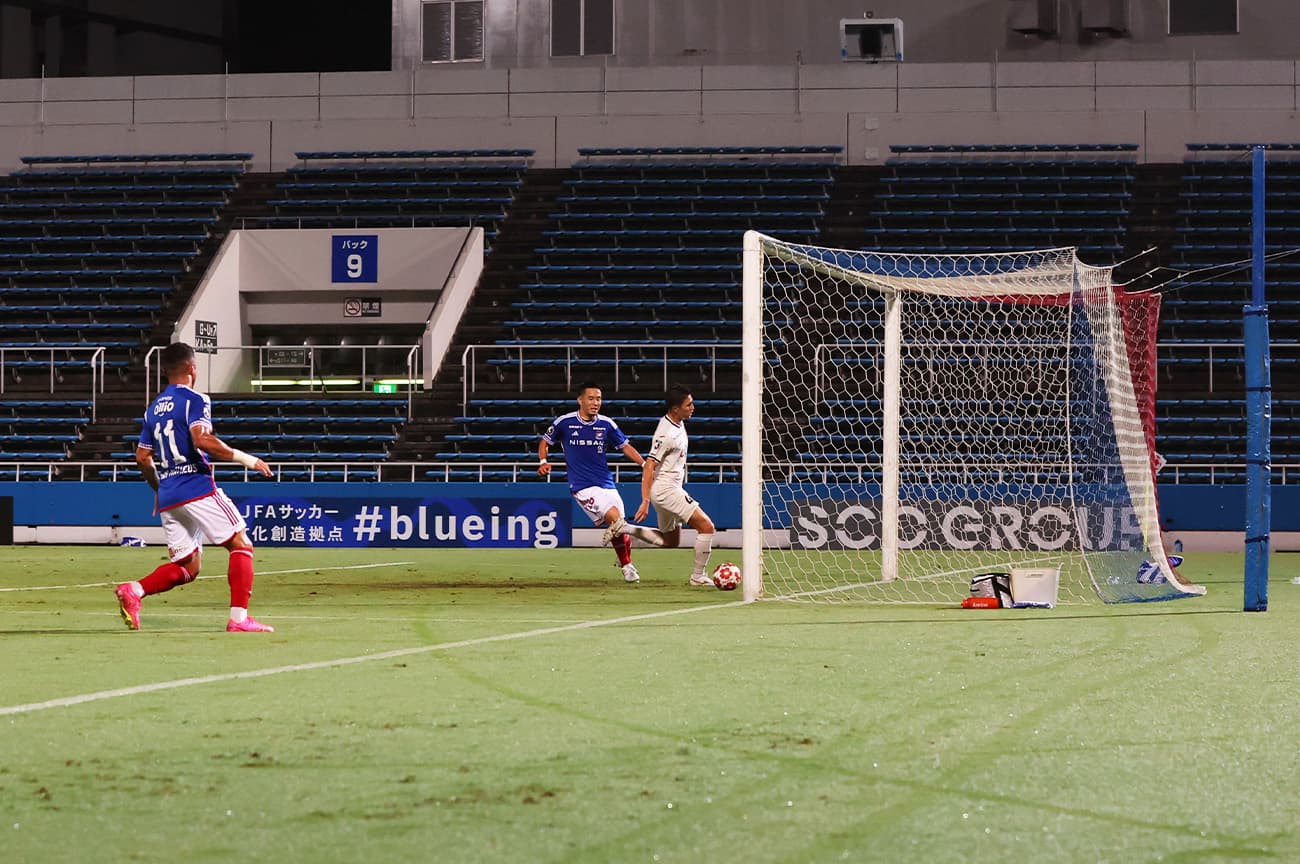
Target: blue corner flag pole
[{"x": 1259, "y": 406}]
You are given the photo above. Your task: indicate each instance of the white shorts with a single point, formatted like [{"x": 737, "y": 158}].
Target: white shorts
[
  {"x": 673, "y": 506},
  {"x": 595, "y": 502},
  {"x": 213, "y": 517}
]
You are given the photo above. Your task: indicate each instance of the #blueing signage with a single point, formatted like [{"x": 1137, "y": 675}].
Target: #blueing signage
[{"x": 407, "y": 522}]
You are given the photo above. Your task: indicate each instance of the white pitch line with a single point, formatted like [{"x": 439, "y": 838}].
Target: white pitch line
[
  {"x": 166, "y": 615},
  {"x": 69, "y": 701},
  {"x": 217, "y": 576}
]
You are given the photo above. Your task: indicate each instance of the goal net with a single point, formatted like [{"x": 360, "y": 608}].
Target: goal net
[{"x": 911, "y": 421}]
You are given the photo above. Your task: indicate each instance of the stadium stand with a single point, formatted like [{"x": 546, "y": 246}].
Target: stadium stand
[
  {"x": 636, "y": 282},
  {"x": 624, "y": 267},
  {"x": 1202, "y": 360},
  {"x": 988, "y": 198},
  {"x": 90, "y": 244},
  {"x": 302, "y": 434},
  {"x": 38, "y": 430},
  {"x": 354, "y": 188},
  {"x": 398, "y": 188},
  {"x": 91, "y": 249}
]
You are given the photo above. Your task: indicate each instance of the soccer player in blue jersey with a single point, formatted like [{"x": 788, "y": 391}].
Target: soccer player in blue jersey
[
  {"x": 175, "y": 442},
  {"x": 587, "y": 436}
]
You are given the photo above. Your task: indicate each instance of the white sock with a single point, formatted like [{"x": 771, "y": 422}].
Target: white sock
[
  {"x": 703, "y": 548},
  {"x": 640, "y": 532},
  {"x": 238, "y": 615},
  {"x": 137, "y": 588}
]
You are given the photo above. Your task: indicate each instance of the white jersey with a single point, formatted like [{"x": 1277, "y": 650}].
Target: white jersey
[{"x": 669, "y": 450}]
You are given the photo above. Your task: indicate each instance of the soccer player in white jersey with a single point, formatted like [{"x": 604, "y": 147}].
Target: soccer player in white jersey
[
  {"x": 587, "y": 436},
  {"x": 175, "y": 443},
  {"x": 662, "y": 480}
]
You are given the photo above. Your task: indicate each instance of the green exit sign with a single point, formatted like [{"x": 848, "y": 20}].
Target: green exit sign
[{"x": 385, "y": 388}]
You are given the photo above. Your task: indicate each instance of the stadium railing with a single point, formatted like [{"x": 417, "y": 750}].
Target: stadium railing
[
  {"x": 386, "y": 155},
  {"x": 982, "y": 152},
  {"x": 616, "y": 354},
  {"x": 1228, "y": 358},
  {"x": 94, "y": 361},
  {"x": 742, "y": 150},
  {"x": 1195, "y": 472},
  {"x": 309, "y": 369},
  {"x": 136, "y": 158}
]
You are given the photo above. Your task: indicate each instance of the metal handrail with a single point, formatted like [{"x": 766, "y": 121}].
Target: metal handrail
[
  {"x": 410, "y": 472},
  {"x": 469, "y": 378},
  {"x": 96, "y": 362},
  {"x": 1210, "y": 347},
  {"x": 153, "y": 382},
  {"x": 412, "y": 358},
  {"x": 97, "y": 354}
]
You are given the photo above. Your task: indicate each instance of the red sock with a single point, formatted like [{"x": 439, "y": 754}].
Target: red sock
[
  {"x": 240, "y": 576},
  {"x": 623, "y": 549},
  {"x": 165, "y": 578}
]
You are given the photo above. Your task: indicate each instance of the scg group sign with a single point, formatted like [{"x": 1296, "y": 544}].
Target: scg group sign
[{"x": 967, "y": 524}]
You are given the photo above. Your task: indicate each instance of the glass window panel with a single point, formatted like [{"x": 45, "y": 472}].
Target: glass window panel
[
  {"x": 469, "y": 30},
  {"x": 566, "y": 28},
  {"x": 598, "y": 27},
  {"x": 437, "y": 32},
  {"x": 1202, "y": 16}
]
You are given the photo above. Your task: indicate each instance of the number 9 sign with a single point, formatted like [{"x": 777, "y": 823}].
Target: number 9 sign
[{"x": 354, "y": 258}]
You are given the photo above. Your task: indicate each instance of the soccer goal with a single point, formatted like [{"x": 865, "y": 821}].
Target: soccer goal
[{"x": 911, "y": 421}]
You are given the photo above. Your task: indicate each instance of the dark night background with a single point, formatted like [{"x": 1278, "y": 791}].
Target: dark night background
[
  {"x": 71, "y": 38},
  {"x": 349, "y": 37}
]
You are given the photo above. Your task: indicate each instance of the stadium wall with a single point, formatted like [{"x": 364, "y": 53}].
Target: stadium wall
[
  {"x": 1204, "y": 517},
  {"x": 1159, "y": 105},
  {"x": 291, "y": 277},
  {"x": 517, "y": 33}
]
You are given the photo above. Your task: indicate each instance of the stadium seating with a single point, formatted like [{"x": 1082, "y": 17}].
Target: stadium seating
[
  {"x": 35, "y": 431},
  {"x": 953, "y": 198},
  {"x": 1214, "y": 228},
  {"x": 654, "y": 230},
  {"x": 633, "y": 279},
  {"x": 1202, "y": 360},
  {"x": 89, "y": 245},
  {"x": 494, "y": 433},
  {"x": 398, "y": 188},
  {"x": 637, "y": 283},
  {"x": 312, "y": 431}
]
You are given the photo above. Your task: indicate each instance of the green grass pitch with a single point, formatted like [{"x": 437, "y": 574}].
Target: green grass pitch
[{"x": 460, "y": 707}]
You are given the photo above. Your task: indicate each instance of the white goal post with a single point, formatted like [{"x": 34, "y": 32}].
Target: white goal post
[{"x": 911, "y": 421}]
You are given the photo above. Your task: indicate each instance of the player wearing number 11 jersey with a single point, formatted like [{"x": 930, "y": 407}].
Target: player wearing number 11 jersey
[{"x": 175, "y": 442}]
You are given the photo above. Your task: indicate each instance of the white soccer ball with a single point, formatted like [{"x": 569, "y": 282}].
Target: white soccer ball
[{"x": 726, "y": 576}]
